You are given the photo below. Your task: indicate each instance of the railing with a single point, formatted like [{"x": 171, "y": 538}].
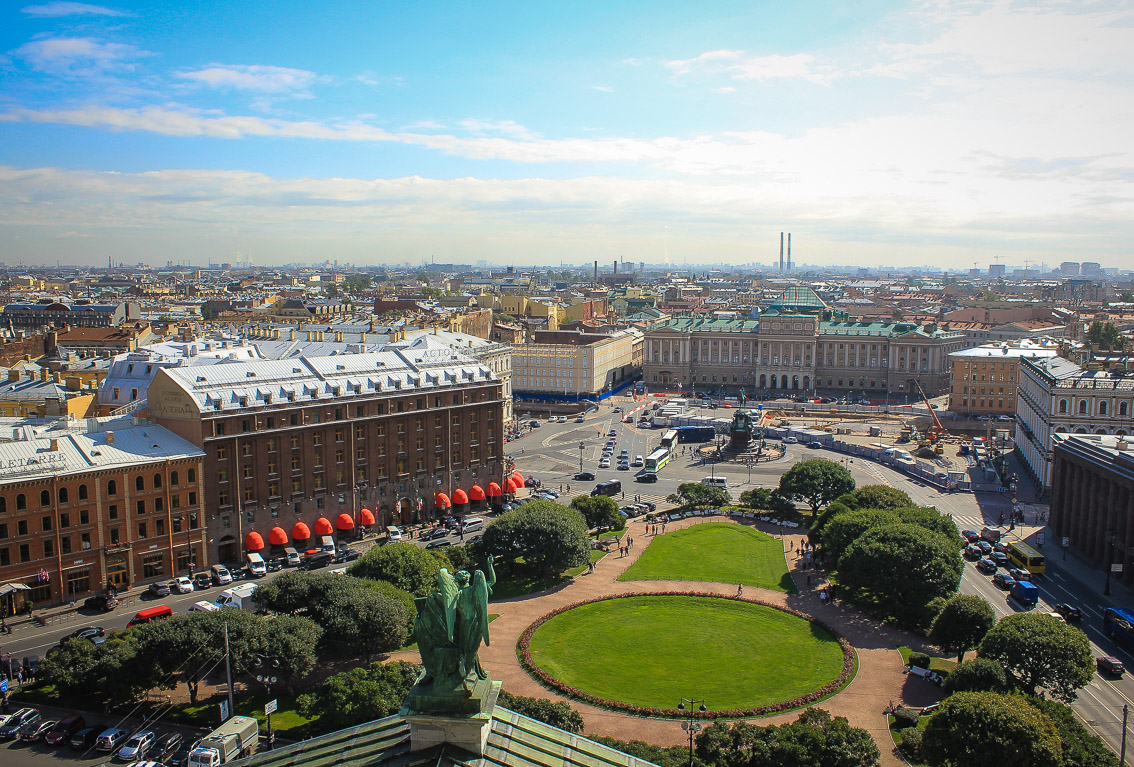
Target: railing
[{"x": 131, "y": 407}]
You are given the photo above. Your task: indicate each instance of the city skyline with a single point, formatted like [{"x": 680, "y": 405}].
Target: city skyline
[{"x": 877, "y": 133}]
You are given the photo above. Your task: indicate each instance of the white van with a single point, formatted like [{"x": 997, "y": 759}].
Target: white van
[
  {"x": 393, "y": 533},
  {"x": 203, "y": 607},
  {"x": 292, "y": 557},
  {"x": 328, "y": 544},
  {"x": 472, "y": 524},
  {"x": 221, "y": 575},
  {"x": 256, "y": 565},
  {"x": 714, "y": 482}
]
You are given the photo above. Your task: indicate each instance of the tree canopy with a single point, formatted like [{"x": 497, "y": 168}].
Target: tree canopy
[
  {"x": 539, "y": 537},
  {"x": 815, "y": 738},
  {"x": 816, "y": 482},
  {"x": 600, "y": 512},
  {"x": 962, "y": 623},
  {"x": 767, "y": 499},
  {"x": 976, "y": 675},
  {"x": 880, "y": 497},
  {"x": 696, "y": 494},
  {"x": 558, "y": 714},
  {"x": 985, "y": 729},
  {"x": 360, "y": 694},
  {"x": 409, "y": 567},
  {"x": 1041, "y": 651},
  {"x": 844, "y": 529},
  {"x": 1106, "y": 335}
]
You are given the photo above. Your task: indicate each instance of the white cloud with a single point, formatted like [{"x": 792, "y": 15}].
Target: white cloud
[
  {"x": 258, "y": 78},
  {"x": 724, "y": 89},
  {"x": 78, "y": 56},
  {"x": 740, "y": 66},
  {"x": 602, "y": 88},
  {"x": 59, "y": 9},
  {"x": 508, "y": 128}
]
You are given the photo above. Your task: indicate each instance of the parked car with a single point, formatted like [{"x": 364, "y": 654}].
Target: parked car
[
  {"x": 180, "y": 757},
  {"x": 86, "y": 737},
  {"x": 1110, "y": 665},
  {"x": 202, "y": 581},
  {"x": 434, "y": 534},
  {"x": 181, "y": 584},
  {"x": 17, "y": 720},
  {"x": 275, "y": 564},
  {"x": 32, "y": 732},
  {"x": 96, "y": 634},
  {"x": 64, "y": 729},
  {"x": 347, "y": 554},
  {"x": 604, "y": 463},
  {"x": 438, "y": 544},
  {"x": 650, "y": 506},
  {"x": 159, "y": 589},
  {"x": 1003, "y": 580},
  {"x": 136, "y": 747},
  {"x": 814, "y": 444},
  {"x": 166, "y": 744},
  {"x": 585, "y": 476},
  {"x": 790, "y": 441},
  {"x": 1069, "y": 612},
  {"x": 101, "y": 602},
  {"x": 987, "y": 566}
]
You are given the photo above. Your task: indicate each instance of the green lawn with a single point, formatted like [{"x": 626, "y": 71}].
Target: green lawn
[
  {"x": 719, "y": 552},
  {"x": 653, "y": 650},
  {"x": 944, "y": 665}
]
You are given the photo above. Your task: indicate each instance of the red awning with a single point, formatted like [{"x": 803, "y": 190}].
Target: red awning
[
  {"x": 518, "y": 478},
  {"x": 300, "y": 531},
  {"x": 442, "y": 501},
  {"x": 476, "y": 492},
  {"x": 323, "y": 526},
  {"x": 460, "y": 496},
  {"x": 277, "y": 536},
  {"x": 509, "y": 486},
  {"x": 253, "y": 541},
  {"x": 366, "y": 517},
  {"x": 493, "y": 489},
  {"x": 344, "y": 522}
]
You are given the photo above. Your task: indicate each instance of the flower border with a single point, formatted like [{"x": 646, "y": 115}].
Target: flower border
[{"x": 850, "y": 665}]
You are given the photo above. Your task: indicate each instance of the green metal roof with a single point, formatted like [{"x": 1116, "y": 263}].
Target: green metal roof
[
  {"x": 690, "y": 324},
  {"x": 799, "y": 298}
]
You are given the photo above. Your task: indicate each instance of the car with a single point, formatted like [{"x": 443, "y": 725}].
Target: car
[
  {"x": 623, "y": 466},
  {"x": 618, "y": 409},
  {"x": 32, "y": 732},
  {"x": 180, "y": 757},
  {"x": 101, "y": 602},
  {"x": 1018, "y": 574},
  {"x": 973, "y": 552},
  {"x": 438, "y": 544},
  {"x": 790, "y": 440},
  {"x": 437, "y": 532},
  {"x": 638, "y": 461},
  {"x": 1110, "y": 665},
  {"x": 647, "y": 476},
  {"x": 650, "y": 506},
  {"x": 985, "y": 547},
  {"x": 580, "y": 419},
  {"x": 1003, "y": 580},
  {"x": 1000, "y": 558},
  {"x": 202, "y": 581},
  {"x": 473, "y": 540},
  {"x": 181, "y": 584},
  {"x": 813, "y": 444},
  {"x": 275, "y": 564},
  {"x": 549, "y": 492},
  {"x": 11, "y": 728},
  {"x": 86, "y": 737},
  {"x": 64, "y": 729},
  {"x": 136, "y": 747},
  {"x": 612, "y": 433},
  {"x": 96, "y": 634},
  {"x": 1070, "y": 613},
  {"x": 986, "y": 566},
  {"x": 347, "y": 554},
  {"x": 535, "y": 424},
  {"x": 31, "y": 665},
  {"x": 159, "y": 589},
  {"x": 604, "y": 463},
  {"x": 585, "y": 476},
  {"x": 167, "y": 744},
  {"x": 970, "y": 536}
]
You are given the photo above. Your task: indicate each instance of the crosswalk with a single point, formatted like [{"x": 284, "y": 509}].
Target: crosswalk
[{"x": 968, "y": 522}]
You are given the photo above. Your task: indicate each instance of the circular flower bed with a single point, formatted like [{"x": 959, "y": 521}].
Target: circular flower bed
[{"x": 849, "y": 666}]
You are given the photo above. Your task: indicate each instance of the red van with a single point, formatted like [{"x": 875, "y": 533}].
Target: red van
[{"x": 150, "y": 614}]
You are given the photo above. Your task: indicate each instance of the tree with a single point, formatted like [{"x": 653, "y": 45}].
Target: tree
[
  {"x": 360, "y": 694},
  {"x": 815, "y": 738},
  {"x": 897, "y": 570},
  {"x": 985, "y": 729},
  {"x": 1041, "y": 651},
  {"x": 1106, "y": 336},
  {"x": 976, "y": 675},
  {"x": 845, "y": 529},
  {"x": 696, "y": 494},
  {"x": 1081, "y": 747},
  {"x": 767, "y": 499},
  {"x": 540, "y": 537},
  {"x": 408, "y": 567},
  {"x": 880, "y": 497},
  {"x": 600, "y": 512},
  {"x": 816, "y": 482},
  {"x": 962, "y": 623},
  {"x": 931, "y": 519},
  {"x": 559, "y": 714}
]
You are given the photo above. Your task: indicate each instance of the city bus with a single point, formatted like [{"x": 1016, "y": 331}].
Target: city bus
[
  {"x": 669, "y": 438},
  {"x": 658, "y": 459},
  {"x": 696, "y": 434},
  {"x": 1025, "y": 557},
  {"x": 1119, "y": 626}
]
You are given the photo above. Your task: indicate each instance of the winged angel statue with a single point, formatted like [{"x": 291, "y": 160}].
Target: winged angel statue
[{"x": 451, "y": 623}]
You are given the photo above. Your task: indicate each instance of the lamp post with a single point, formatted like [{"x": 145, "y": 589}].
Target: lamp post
[
  {"x": 689, "y": 725},
  {"x": 1113, "y": 540},
  {"x": 358, "y": 488},
  {"x": 582, "y": 447},
  {"x": 267, "y": 667}
]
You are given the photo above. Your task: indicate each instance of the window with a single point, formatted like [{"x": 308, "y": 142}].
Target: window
[
  {"x": 85, "y": 541},
  {"x": 139, "y": 483},
  {"x": 191, "y": 475},
  {"x": 157, "y": 481},
  {"x": 78, "y": 582},
  {"x": 193, "y": 498},
  {"x": 48, "y": 548},
  {"x": 159, "y": 505},
  {"x": 153, "y": 566},
  {"x": 46, "y": 523},
  {"x": 1102, "y": 408},
  {"x": 115, "y": 535},
  {"x": 62, "y": 495},
  {"x": 246, "y": 449},
  {"x": 141, "y": 529},
  {"x": 25, "y": 552},
  {"x": 64, "y": 520},
  {"x": 1083, "y": 407},
  {"x": 294, "y": 442},
  {"x": 22, "y": 502},
  {"x": 222, "y": 499},
  {"x": 44, "y": 498},
  {"x": 112, "y": 511},
  {"x": 222, "y": 453}
]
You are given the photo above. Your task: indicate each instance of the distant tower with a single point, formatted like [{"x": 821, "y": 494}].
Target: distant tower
[
  {"x": 789, "y": 251},
  {"x": 109, "y": 264},
  {"x": 781, "y": 251}
]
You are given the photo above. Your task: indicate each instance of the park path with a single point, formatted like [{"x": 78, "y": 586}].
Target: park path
[{"x": 880, "y": 679}]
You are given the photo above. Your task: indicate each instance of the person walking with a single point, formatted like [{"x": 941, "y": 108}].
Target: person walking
[{"x": 740, "y": 590}]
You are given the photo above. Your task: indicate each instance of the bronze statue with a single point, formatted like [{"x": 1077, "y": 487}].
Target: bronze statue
[{"x": 451, "y": 623}]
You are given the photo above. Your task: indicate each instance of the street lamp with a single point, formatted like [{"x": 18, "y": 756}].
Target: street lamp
[
  {"x": 582, "y": 447},
  {"x": 690, "y": 726},
  {"x": 1113, "y": 540},
  {"x": 267, "y": 667},
  {"x": 358, "y": 489}
]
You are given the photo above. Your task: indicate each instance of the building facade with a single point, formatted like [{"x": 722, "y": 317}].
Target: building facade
[
  {"x": 1058, "y": 396},
  {"x": 112, "y": 502},
  {"x": 291, "y": 445},
  {"x": 1092, "y": 498},
  {"x": 984, "y": 380},
  {"x": 572, "y": 365},
  {"x": 59, "y": 314}
]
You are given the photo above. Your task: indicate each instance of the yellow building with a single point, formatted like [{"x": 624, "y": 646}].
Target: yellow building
[
  {"x": 575, "y": 365},
  {"x": 43, "y": 396},
  {"x": 983, "y": 380}
]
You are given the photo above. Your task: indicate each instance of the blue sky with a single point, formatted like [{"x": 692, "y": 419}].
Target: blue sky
[{"x": 944, "y": 133}]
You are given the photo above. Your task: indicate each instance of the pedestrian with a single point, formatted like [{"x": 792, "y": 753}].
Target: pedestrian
[
  {"x": 809, "y": 580},
  {"x": 740, "y": 590},
  {"x": 568, "y": 487},
  {"x": 624, "y": 495}
]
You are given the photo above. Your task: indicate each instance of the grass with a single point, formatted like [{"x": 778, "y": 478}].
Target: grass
[
  {"x": 286, "y": 721},
  {"x": 717, "y": 552},
  {"x": 646, "y": 650},
  {"x": 511, "y": 586},
  {"x": 935, "y": 664}
]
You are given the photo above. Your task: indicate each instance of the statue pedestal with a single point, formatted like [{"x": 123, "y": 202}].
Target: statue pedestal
[{"x": 451, "y": 715}]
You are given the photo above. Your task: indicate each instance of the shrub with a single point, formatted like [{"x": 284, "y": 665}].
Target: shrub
[
  {"x": 911, "y": 744},
  {"x": 906, "y": 717},
  {"x": 919, "y": 659}
]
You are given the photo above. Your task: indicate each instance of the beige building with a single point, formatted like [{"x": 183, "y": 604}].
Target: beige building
[
  {"x": 983, "y": 381},
  {"x": 572, "y": 365}
]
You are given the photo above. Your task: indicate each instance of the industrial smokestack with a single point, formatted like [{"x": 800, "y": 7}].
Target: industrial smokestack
[
  {"x": 616, "y": 266},
  {"x": 789, "y": 251},
  {"x": 781, "y": 251},
  {"x": 596, "y": 272}
]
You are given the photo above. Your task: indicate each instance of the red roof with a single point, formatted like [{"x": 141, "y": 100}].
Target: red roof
[
  {"x": 253, "y": 541},
  {"x": 476, "y": 492},
  {"x": 366, "y": 517},
  {"x": 277, "y": 536},
  {"x": 344, "y": 522},
  {"x": 460, "y": 496},
  {"x": 442, "y": 501},
  {"x": 323, "y": 526},
  {"x": 300, "y": 531},
  {"x": 493, "y": 489}
]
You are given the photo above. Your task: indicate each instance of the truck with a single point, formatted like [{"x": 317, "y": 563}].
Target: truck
[
  {"x": 239, "y": 597},
  {"x": 235, "y": 739},
  {"x": 1026, "y": 593}
]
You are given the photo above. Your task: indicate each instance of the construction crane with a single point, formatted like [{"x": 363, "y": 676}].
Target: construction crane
[{"x": 938, "y": 431}]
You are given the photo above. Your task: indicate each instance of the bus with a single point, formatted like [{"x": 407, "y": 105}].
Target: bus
[
  {"x": 658, "y": 459},
  {"x": 1025, "y": 557},
  {"x": 696, "y": 434},
  {"x": 1119, "y": 626},
  {"x": 669, "y": 438}
]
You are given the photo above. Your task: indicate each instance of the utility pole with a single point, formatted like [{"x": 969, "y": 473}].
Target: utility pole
[
  {"x": 1125, "y": 715},
  {"x": 228, "y": 669}
]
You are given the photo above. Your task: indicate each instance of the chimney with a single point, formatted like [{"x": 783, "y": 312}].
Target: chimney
[
  {"x": 110, "y": 438},
  {"x": 55, "y": 446},
  {"x": 596, "y": 273},
  {"x": 789, "y": 251},
  {"x": 616, "y": 266},
  {"x": 44, "y": 374},
  {"x": 14, "y": 375},
  {"x": 781, "y": 251}
]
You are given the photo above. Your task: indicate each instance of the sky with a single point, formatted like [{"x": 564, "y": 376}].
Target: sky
[{"x": 945, "y": 133}]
